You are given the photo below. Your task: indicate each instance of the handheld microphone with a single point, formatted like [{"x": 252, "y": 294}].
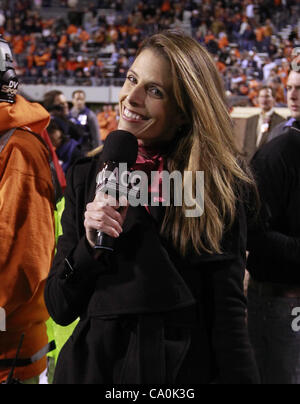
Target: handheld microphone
[{"x": 120, "y": 148}]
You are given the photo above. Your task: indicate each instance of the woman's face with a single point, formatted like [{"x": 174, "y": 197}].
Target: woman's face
[{"x": 147, "y": 106}]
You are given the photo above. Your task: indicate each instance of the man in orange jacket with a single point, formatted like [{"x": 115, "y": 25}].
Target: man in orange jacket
[{"x": 26, "y": 227}]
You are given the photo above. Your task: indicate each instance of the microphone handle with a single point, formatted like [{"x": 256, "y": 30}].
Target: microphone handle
[{"x": 104, "y": 242}]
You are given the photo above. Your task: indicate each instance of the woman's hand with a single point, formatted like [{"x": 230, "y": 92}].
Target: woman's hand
[{"x": 105, "y": 214}]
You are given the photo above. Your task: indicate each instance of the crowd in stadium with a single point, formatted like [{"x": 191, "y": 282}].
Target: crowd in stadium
[{"x": 91, "y": 47}]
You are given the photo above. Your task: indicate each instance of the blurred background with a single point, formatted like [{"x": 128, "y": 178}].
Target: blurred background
[{"x": 89, "y": 44}]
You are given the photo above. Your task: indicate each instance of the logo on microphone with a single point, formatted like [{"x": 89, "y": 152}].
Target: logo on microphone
[
  {"x": 155, "y": 189},
  {"x": 2, "y": 320}
]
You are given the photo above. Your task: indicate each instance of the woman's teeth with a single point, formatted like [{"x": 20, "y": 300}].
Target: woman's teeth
[{"x": 132, "y": 115}]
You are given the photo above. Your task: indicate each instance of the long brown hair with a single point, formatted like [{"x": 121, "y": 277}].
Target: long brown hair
[{"x": 206, "y": 143}]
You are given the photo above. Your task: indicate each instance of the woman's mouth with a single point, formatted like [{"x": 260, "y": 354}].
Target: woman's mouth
[{"x": 132, "y": 116}]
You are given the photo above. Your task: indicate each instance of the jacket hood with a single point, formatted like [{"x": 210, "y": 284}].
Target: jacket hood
[{"x": 23, "y": 114}]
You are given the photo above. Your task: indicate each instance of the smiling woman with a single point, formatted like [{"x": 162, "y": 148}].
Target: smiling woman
[
  {"x": 167, "y": 305},
  {"x": 148, "y": 108},
  {"x": 175, "y": 86}
]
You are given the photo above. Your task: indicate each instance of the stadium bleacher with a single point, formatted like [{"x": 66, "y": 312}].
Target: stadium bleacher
[{"x": 92, "y": 43}]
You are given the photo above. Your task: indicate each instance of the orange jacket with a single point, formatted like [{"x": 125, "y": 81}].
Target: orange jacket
[
  {"x": 26, "y": 234},
  {"x": 42, "y": 60},
  {"x": 107, "y": 122}
]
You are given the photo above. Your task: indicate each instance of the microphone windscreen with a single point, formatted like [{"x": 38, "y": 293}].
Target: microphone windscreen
[{"x": 121, "y": 147}]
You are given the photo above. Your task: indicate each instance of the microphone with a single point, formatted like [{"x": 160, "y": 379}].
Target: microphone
[{"x": 120, "y": 149}]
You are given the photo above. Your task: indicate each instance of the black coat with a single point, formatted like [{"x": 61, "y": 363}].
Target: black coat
[
  {"x": 147, "y": 315},
  {"x": 274, "y": 241}
]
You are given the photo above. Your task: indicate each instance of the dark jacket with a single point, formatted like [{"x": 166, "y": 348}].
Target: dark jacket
[
  {"x": 147, "y": 315},
  {"x": 87, "y": 121},
  {"x": 274, "y": 241},
  {"x": 284, "y": 128}
]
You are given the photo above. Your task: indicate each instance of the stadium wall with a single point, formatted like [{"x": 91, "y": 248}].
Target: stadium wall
[{"x": 95, "y": 95}]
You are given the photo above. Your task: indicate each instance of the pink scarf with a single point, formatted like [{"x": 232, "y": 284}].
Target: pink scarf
[{"x": 149, "y": 160}]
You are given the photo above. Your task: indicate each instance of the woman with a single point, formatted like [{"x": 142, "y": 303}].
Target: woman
[{"x": 167, "y": 306}]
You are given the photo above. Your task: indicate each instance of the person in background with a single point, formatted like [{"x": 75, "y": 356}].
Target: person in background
[
  {"x": 167, "y": 306},
  {"x": 274, "y": 253},
  {"x": 55, "y": 134},
  {"x": 69, "y": 149},
  {"x": 260, "y": 126},
  {"x": 293, "y": 100},
  {"x": 57, "y": 171},
  {"x": 81, "y": 115},
  {"x": 56, "y": 103},
  {"x": 108, "y": 120},
  {"x": 26, "y": 228}
]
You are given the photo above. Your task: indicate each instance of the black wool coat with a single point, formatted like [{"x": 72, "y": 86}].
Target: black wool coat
[
  {"x": 274, "y": 240},
  {"x": 147, "y": 316}
]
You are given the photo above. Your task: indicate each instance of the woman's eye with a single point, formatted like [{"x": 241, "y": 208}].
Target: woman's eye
[
  {"x": 156, "y": 92},
  {"x": 132, "y": 79}
]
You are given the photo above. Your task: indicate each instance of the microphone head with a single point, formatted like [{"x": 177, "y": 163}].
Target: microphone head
[{"x": 121, "y": 147}]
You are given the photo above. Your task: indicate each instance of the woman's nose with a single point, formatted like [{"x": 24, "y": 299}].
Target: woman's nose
[{"x": 136, "y": 96}]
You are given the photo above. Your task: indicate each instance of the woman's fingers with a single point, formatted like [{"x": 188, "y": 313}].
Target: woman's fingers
[
  {"x": 107, "y": 217},
  {"x": 98, "y": 212},
  {"x": 105, "y": 214}
]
